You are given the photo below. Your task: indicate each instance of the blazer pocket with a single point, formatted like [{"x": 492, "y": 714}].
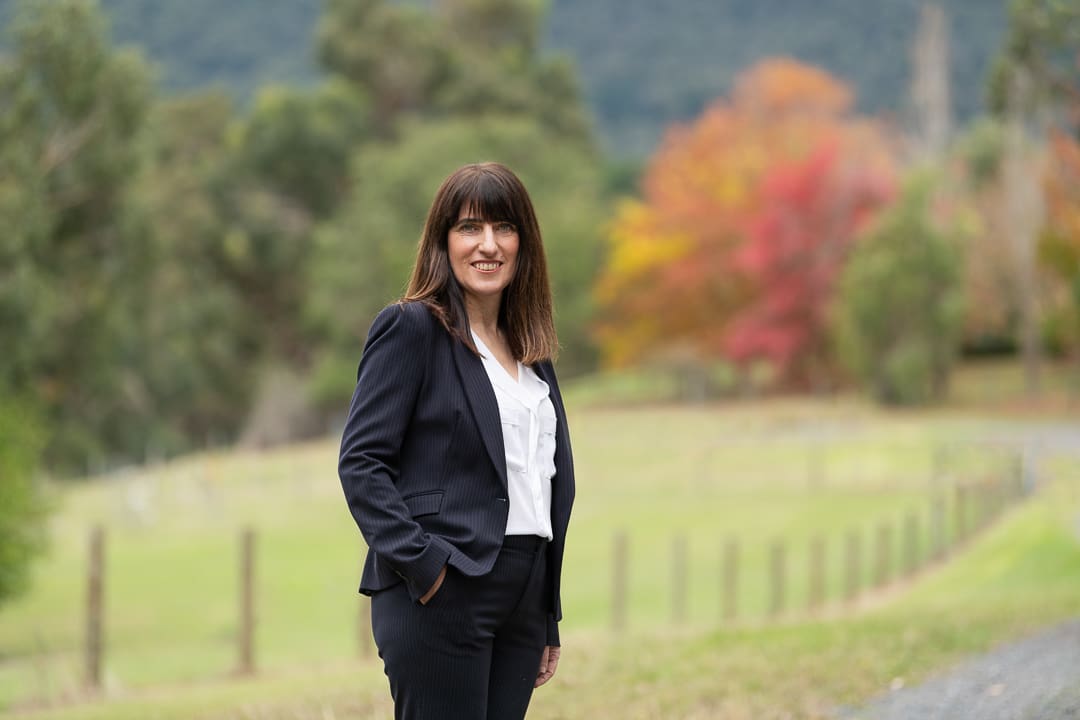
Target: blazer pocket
[{"x": 427, "y": 503}]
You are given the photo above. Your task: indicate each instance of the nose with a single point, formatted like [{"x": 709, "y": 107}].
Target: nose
[{"x": 487, "y": 239}]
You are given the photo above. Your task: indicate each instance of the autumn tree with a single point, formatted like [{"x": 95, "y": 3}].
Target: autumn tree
[
  {"x": 809, "y": 213},
  {"x": 745, "y": 218}
]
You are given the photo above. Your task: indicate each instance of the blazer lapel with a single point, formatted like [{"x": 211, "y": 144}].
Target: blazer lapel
[
  {"x": 562, "y": 434},
  {"x": 485, "y": 408}
]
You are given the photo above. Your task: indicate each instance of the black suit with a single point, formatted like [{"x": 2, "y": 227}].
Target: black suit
[{"x": 422, "y": 461}]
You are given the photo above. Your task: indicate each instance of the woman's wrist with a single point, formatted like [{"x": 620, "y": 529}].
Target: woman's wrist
[{"x": 426, "y": 597}]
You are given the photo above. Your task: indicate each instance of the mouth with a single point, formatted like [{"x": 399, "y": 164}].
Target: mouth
[{"x": 486, "y": 266}]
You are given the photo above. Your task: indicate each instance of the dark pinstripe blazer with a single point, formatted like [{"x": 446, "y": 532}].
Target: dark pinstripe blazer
[{"x": 422, "y": 461}]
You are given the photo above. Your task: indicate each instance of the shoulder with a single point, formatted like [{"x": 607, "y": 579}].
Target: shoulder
[
  {"x": 408, "y": 324},
  {"x": 408, "y": 318}
]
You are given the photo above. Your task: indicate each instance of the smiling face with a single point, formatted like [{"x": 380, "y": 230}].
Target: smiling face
[{"x": 483, "y": 255}]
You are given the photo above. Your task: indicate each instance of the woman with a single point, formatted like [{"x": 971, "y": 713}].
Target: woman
[{"x": 456, "y": 464}]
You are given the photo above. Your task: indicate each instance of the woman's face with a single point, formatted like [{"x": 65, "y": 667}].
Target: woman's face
[{"x": 483, "y": 255}]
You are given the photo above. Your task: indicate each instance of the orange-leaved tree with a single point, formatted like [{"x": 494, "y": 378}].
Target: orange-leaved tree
[{"x": 742, "y": 227}]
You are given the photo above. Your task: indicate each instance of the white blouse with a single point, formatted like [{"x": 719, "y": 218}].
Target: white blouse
[{"x": 528, "y": 429}]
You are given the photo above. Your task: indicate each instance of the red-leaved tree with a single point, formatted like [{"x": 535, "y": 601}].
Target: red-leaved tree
[{"x": 743, "y": 225}]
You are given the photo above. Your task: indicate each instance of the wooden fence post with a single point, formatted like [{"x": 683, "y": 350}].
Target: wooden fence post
[
  {"x": 1001, "y": 494},
  {"x": 938, "y": 463},
  {"x": 883, "y": 571},
  {"x": 938, "y": 544},
  {"x": 911, "y": 544},
  {"x": 730, "y": 574},
  {"x": 986, "y": 513},
  {"x": 246, "y": 636},
  {"x": 1015, "y": 478},
  {"x": 815, "y": 468},
  {"x": 95, "y": 609},
  {"x": 852, "y": 565},
  {"x": 619, "y": 583},
  {"x": 678, "y": 579},
  {"x": 816, "y": 592},
  {"x": 960, "y": 530},
  {"x": 778, "y": 563}
]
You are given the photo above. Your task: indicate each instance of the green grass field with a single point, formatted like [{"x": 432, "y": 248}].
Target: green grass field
[{"x": 756, "y": 472}]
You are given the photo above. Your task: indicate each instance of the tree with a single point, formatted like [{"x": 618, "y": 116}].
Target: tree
[
  {"x": 1059, "y": 243},
  {"x": 795, "y": 249},
  {"x": 196, "y": 336},
  {"x": 363, "y": 257},
  {"x": 22, "y": 505},
  {"x": 497, "y": 68},
  {"x": 900, "y": 308},
  {"x": 736, "y": 208},
  {"x": 462, "y": 83},
  {"x": 930, "y": 95},
  {"x": 73, "y": 111},
  {"x": 1035, "y": 83},
  {"x": 1040, "y": 45},
  {"x": 990, "y": 284},
  {"x": 296, "y": 144},
  {"x": 395, "y": 54}
]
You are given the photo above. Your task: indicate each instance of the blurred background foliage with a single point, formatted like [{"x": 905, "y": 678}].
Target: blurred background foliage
[
  {"x": 643, "y": 65},
  {"x": 194, "y": 246}
]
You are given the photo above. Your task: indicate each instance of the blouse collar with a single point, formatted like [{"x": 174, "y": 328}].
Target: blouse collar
[{"x": 529, "y": 389}]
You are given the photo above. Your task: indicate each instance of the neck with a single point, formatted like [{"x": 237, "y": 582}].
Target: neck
[{"x": 483, "y": 315}]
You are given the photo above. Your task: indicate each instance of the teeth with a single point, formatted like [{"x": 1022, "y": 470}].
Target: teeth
[{"x": 486, "y": 266}]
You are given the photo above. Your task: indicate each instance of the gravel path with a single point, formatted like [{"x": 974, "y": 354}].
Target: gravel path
[{"x": 1033, "y": 679}]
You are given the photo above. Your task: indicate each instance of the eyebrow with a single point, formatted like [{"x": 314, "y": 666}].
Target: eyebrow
[{"x": 481, "y": 221}]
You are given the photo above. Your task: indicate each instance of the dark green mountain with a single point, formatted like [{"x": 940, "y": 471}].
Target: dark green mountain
[{"x": 644, "y": 64}]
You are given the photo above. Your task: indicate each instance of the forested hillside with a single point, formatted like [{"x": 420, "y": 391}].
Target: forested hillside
[{"x": 643, "y": 64}]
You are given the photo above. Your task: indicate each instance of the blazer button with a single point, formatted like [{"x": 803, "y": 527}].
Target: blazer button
[{"x": 502, "y": 500}]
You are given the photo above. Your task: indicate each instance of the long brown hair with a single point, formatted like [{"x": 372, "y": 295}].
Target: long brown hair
[{"x": 525, "y": 313}]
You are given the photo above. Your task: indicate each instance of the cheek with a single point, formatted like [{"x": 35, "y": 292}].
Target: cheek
[
  {"x": 454, "y": 248},
  {"x": 511, "y": 251},
  {"x": 458, "y": 251}
]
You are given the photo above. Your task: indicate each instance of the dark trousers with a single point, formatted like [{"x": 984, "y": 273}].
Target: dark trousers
[{"x": 473, "y": 652}]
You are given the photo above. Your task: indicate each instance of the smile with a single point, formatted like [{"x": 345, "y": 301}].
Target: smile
[{"x": 487, "y": 266}]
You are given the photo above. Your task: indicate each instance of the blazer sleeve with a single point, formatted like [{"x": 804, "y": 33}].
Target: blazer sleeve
[{"x": 389, "y": 381}]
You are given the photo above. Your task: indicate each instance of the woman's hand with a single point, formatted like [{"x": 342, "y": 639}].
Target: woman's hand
[
  {"x": 548, "y": 662},
  {"x": 434, "y": 588}
]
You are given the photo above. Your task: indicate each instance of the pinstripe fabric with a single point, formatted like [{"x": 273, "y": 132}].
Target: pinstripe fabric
[
  {"x": 422, "y": 462},
  {"x": 473, "y": 651}
]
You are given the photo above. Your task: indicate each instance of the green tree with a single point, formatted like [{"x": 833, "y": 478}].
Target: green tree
[
  {"x": 296, "y": 144},
  {"x": 73, "y": 111},
  {"x": 363, "y": 258},
  {"x": 396, "y": 54},
  {"x": 497, "y": 67},
  {"x": 1040, "y": 44},
  {"x": 22, "y": 505},
  {"x": 901, "y": 305},
  {"x": 196, "y": 338}
]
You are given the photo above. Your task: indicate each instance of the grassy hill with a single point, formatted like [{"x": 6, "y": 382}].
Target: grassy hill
[
  {"x": 784, "y": 469},
  {"x": 643, "y": 64}
]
